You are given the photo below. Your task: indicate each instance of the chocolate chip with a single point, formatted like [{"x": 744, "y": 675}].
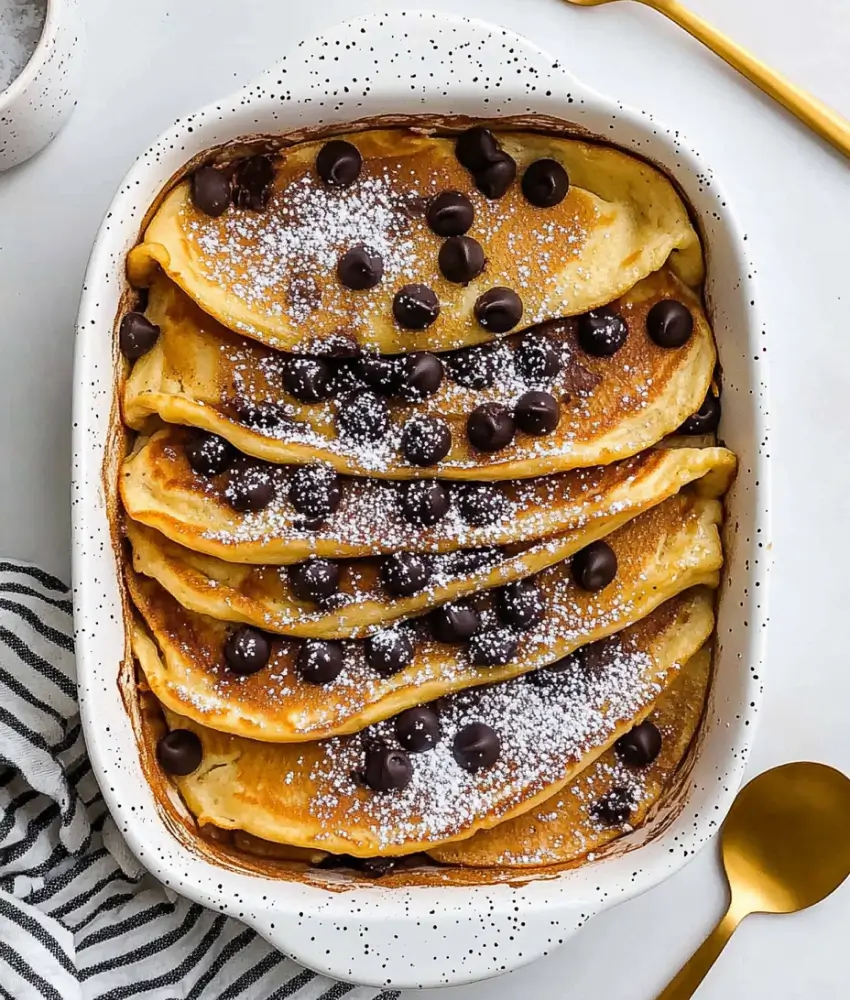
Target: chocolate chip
[
  {"x": 418, "y": 729},
  {"x": 707, "y": 418},
  {"x": 389, "y": 651},
  {"x": 450, "y": 214},
  {"x": 578, "y": 380},
  {"x": 476, "y": 746},
  {"x": 425, "y": 440},
  {"x": 594, "y": 567},
  {"x": 520, "y": 604},
  {"x": 246, "y": 651},
  {"x": 453, "y": 623},
  {"x": 376, "y": 867},
  {"x": 179, "y": 752},
  {"x": 259, "y": 415},
  {"x": 315, "y": 490},
  {"x": 494, "y": 648},
  {"x": 345, "y": 377},
  {"x": 307, "y": 379},
  {"x": 594, "y": 658},
  {"x": 494, "y": 179},
  {"x": 339, "y": 163},
  {"x": 490, "y": 427},
  {"x": 498, "y": 310},
  {"x": 209, "y": 454},
  {"x": 360, "y": 268},
  {"x": 363, "y": 417},
  {"x": 387, "y": 770},
  {"x": 314, "y": 580},
  {"x": 405, "y": 573},
  {"x": 602, "y": 333},
  {"x": 320, "y": 661},
  {"x": 415, "y": 307},
  {"x": 537, "y": 358},
  {"x": 537, "y": 413},
  {"x": 481, "y": 504},
  {"x": 309, "y": 523},
  {"x": 461, "y": 258},
  {"x": 210, "y": 191},
  {"x": 419, "y": 376},
  {"x": 476, "y": 147},
  {"x": 553, "y": 675},
  {"x": 339, "y": 345},
  {"x": 253, "y": 183},
  {"x": 640, "y": 746},
  {"x": 473, "y": 367},
  {"x": 382, "y": 375},
  {"x": 670, "y": 323},
  {"x": 136, "y": 335},
  {"x": 466, "y": 561},
  {"x": 250, "y": 487},
  {"x": 424, "y": 502},
  {"x": 545, "y": 183},
  {"x": 614, "y": 808}
]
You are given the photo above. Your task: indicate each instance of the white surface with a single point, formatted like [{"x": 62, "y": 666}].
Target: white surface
[{"x": 147, "y": 65}]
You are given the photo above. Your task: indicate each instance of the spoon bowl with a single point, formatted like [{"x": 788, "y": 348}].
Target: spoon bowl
[
  {"x": 784, "y": 846},
  {"x": 785, "y": 843}
]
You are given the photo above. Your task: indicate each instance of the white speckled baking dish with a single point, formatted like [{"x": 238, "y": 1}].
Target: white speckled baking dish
[{"x": 404, "y": 64}]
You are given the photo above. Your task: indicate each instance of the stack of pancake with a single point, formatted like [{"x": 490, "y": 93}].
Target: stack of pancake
[{"x": 423, "y": 501}]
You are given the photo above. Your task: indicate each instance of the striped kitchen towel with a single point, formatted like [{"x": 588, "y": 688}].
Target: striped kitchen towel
[{"x": 79, "y": 918}]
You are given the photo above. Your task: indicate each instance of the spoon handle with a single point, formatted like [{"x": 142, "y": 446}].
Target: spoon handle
[
  {"x": 823, "y": 120},
  {"x": 686, "y": 981}
]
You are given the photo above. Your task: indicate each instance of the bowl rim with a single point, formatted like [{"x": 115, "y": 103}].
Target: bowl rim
[{"x": 87, "y": 512}]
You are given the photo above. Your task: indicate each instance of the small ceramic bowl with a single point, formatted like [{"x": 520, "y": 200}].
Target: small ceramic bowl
[{"x": 38, "y": 102}]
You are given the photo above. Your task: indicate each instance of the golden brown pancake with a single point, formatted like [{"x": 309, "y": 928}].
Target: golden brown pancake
[
  {"x": 252, "y": 456},
  {"x": 568, "y": 825},
  {"x": 160, "y": 490},
  {"x": 263, "y": 595},
  {"x": 610, "y": 407},
  {"x": 311, "y": 795},
  {"x": 670, "y": 548},
  {"x": 271, "y": 275}
]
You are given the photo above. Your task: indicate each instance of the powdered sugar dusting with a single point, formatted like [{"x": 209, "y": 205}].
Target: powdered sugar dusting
[
  {"x": 305, "y": 230},
  {"x": 281, "y": 263},
  {"x": 543, "y": 731}
]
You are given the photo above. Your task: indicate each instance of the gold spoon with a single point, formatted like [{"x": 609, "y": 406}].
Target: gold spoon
[
  {"x": 817, "y": 116},
  {"x": 785, "y": 847}
]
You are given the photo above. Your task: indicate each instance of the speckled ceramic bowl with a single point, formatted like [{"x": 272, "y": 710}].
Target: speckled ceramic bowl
[
  {"x": 37, "y": 104},
  {"x": 397, "y": 65}
]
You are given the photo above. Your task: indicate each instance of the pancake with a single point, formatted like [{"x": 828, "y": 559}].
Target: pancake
[
  {"x": 311, "y": 795},
  {"x": 160, "y": 490},
  {"x": 264, "y": 596},
  {"x": 200, "y": 374},
  {"x": 272, "y": 274},
  {"x": 668, "y": 549},
  {"x": 567, "y": 826}
]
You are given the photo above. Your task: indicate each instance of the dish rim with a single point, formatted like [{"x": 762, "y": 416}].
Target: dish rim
[{"x": 95, "y": 593}]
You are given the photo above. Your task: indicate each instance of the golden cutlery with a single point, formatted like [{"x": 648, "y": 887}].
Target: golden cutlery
[
  {"x": 785, "y": 847},
  {"x": 817, "y": 116}
]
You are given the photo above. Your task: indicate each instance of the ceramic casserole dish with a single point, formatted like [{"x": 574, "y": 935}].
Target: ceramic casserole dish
[{"x": 392, "y": 67}]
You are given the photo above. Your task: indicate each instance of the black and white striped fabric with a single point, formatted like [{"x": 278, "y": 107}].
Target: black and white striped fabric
[{"x": 79, "y": 918}]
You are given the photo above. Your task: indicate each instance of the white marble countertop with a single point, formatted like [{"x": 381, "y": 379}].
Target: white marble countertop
[{"x": 151, "y": 61}]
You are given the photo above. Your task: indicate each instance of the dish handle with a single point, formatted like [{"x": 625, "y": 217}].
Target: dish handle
[
  {"x": 399, "y": 939},
  {"x": 335, "y": 69}
]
